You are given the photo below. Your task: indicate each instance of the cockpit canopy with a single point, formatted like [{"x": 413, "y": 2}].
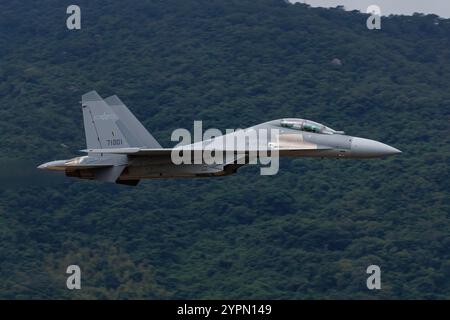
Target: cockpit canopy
[{"x": 308, "y": 126}]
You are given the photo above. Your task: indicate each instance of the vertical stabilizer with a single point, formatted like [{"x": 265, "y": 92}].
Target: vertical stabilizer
[{"x": 134, "y": 131}]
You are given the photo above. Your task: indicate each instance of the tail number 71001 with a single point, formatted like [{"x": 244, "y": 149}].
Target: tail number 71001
[{"x": 114, "y": 142}]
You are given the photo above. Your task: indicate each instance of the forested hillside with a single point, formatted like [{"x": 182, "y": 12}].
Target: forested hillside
[{"x": 309, "y": 232}]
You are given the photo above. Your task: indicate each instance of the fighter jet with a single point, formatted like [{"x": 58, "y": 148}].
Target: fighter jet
[{"x": 120, "y": 150}]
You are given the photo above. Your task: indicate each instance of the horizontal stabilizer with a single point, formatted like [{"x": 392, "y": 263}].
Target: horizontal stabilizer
[{"x": 61, "y": 165}]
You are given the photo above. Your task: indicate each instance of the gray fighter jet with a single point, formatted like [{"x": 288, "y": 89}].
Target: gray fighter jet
[{"x": 121, "y": 150}]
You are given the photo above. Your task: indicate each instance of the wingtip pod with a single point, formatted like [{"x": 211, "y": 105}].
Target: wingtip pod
[{"x": 91, "y": 96}]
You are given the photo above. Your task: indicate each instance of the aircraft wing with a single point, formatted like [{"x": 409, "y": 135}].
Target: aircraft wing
[
  {"x": 132, "y": 151},
  {"x": 168, "y": 151},
  {"x": 152, "y": 152}
]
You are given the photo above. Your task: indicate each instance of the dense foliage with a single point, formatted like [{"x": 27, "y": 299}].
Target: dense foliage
[{"x": 308, "y": 232}]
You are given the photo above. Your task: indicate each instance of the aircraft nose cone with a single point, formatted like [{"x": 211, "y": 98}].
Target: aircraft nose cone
[{"x": 366, "y": 148}]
